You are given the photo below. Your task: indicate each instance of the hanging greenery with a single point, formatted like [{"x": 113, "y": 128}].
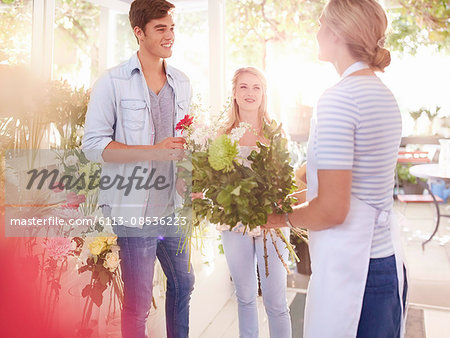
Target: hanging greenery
[
  {"x": 418, "y": 23},
  {"x": 252, "y": 24}
]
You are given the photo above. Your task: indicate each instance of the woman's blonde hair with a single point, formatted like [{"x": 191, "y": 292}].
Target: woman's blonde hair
[
  {"x": 362, "y": 24},
  {"x": 233, "y": 119}
]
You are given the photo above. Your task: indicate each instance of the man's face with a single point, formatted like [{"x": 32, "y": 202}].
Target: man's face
[{"x": 158, "y": 37}]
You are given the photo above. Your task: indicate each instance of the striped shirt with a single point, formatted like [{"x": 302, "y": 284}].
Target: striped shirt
[{"x": 359, "y": 128}]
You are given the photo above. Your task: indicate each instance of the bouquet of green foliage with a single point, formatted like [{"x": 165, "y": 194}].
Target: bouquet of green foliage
[{"x": 234, "y": 193}]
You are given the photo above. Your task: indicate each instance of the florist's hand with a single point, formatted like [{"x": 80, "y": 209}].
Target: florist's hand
[
  {"x": 275, "y": 221},
  {"x": 300, "y": 196}
]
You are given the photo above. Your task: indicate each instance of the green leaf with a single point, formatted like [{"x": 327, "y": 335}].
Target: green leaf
[
  {"x": 236, "y": 191},
  {"x": 186, "y": 165},
  {"x": 228, "y": 210},
  {"x": 224, "y": 198},
  {"x": 97, "y": 294}
]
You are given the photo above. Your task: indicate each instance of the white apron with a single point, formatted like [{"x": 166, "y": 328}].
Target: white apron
[{"x": 340, "y": 263}]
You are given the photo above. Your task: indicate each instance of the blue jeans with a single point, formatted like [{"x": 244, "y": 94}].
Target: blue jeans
[
  {"x": 243, "y": 253},
  {"x": 381, "y": 311},
  {"x": 138, "y": 256}
]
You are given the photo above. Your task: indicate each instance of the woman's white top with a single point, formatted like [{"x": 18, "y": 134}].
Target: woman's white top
[{"x": 359, "y": 128}]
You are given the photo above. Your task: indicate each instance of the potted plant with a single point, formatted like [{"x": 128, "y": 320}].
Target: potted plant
[
  {"x": 432, "y": 117},
  {"x": 409, "y": 182},
  {"x": 302, "y": 251},
  {"x": 415, "y": 115},
  {"x": 301, "y": 246}
]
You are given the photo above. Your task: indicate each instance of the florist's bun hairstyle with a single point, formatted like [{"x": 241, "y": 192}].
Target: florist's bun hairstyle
[{"x": 362, "y": 25}]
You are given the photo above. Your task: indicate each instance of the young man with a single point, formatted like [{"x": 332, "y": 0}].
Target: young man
[{"x": 132, "y": 115}]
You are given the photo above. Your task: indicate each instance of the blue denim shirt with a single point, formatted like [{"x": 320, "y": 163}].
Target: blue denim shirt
[{"x": 119, "y": 110}]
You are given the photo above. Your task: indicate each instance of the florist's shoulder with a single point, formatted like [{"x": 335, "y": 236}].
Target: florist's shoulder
[{"x": 338, "y": 94}]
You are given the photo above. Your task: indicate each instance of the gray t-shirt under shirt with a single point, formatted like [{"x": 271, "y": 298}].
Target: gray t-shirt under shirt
[{"x": 163, "y": 113}]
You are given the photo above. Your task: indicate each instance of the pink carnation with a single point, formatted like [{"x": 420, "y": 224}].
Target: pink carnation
[{"x": 58, "y": 247}]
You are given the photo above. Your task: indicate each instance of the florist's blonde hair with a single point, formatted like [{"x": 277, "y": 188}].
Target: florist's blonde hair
[
  {"x": 233, "y": 119},
  {"x": 362, "y": 25}
]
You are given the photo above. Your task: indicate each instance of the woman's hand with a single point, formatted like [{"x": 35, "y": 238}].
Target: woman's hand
[
  {"x": 180, "y": 186},
  {"x": 195, "y": 195},
  {"x": 181, "y": 189}
]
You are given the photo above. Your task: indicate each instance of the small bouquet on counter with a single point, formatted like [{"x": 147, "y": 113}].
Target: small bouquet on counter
[{"x": 237, "y": 190}]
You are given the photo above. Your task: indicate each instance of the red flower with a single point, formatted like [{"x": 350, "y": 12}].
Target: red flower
[
  {"x": 74, "y": 200},
  {"x": 59, "y": 188},
  {"x": 184, "y": 123}
]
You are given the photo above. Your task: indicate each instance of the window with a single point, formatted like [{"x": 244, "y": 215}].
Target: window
[
  {"x": 15, "y": 31},
  {"x": 76, "y": 42}
]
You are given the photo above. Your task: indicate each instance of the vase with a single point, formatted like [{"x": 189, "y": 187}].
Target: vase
[
  {"x": 412, "y": 188},
  {"x": 304, "y": 266},
  {"x": 109, "y": 324}
]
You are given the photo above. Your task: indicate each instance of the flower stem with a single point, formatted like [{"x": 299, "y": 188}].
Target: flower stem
[
  {"x": 288, "y": 244},
  {"x": 278, "y": 252},
  {"x": 266, "y": 256}
]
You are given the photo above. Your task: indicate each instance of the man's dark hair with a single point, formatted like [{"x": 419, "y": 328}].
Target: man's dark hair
[{"x": 142, "y": 11}]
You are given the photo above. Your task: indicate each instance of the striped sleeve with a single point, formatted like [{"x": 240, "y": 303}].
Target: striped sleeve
[{"x": 337, "y": 120}]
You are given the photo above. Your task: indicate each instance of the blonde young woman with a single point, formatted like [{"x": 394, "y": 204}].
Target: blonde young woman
[
  {"x": 358, "y": 283},
  {"x": 244, "y": 251}
]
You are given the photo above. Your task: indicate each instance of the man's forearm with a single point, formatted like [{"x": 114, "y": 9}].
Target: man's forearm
[{"x": 117, "y": 152}]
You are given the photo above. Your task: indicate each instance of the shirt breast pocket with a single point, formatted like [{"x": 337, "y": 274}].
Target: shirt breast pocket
[
  {"x": 133, "y": 114},
  {"x": 182, "y": 109}
]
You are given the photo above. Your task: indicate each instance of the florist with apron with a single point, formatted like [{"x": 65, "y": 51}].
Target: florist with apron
[{"x": 358, "y": 285}]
